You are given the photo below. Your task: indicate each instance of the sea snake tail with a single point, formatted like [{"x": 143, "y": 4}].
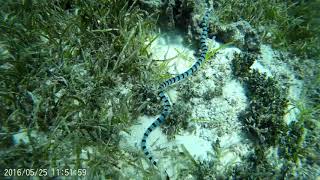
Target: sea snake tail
[
  {"x": 165, "y": 113},
  {"x": 165, "y": 100},
  {"x": 199, "y": 61}
]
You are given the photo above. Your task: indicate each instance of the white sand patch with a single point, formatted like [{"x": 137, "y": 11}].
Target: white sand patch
[
  {"x": 231, "y": 139},
  {"x": 173, "y": 95},
  {"x": 261, "y": 69},
  {"x": 226, "y": 55},
  {"x": 21, "y": 137},
  {"x": 195, "y": 145},
  {"x": 171, "y": 48},
  {"x": 267, "y": 58},
  {"x": 234, "y": 94}
]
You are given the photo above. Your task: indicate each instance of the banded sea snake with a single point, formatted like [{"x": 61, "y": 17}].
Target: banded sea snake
[{"x": 164, "y": 98}]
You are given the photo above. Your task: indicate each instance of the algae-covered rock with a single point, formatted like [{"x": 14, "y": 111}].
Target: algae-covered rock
[{"x": 241, "y": 33}]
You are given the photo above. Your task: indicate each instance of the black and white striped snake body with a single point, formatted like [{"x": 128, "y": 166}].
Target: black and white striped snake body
[
  {"x": 163, "y": 116},
  {"x": 165, "y": 100}
]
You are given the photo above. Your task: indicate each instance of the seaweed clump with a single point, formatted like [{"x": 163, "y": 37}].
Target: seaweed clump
[
  {"x": 264, "y": 118},
  {"x": 241, "y": 64},
  {"x": 291, "y": 146},
  {"x": 177, "y": 119},
  {"x": 263, "y": 121},
  {"x": 144, "y": 100}
]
